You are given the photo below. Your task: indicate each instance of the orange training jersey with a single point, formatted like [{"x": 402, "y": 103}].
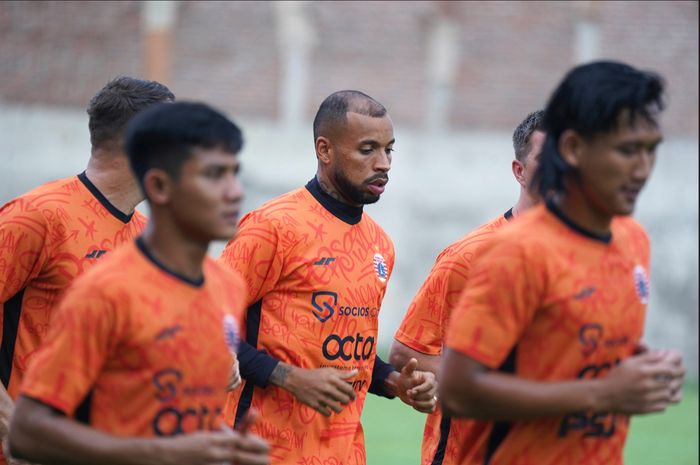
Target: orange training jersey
[
  {"x": 560, "y": 304},
  {"x": 423, "y": 329},
  {"x": 316, "y": 272},
  {"x": 49, "y": 236},
  {"x": 136, "y": 350}
]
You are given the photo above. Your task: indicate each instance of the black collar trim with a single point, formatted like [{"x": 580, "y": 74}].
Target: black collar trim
[
  {"x": 141, "y": 245},
  {"x": 508, "y": 215},
  {"x": 604, "y": 238},
  {"x": 344, "y": 212},
  {"x": 124, "y": 218}
]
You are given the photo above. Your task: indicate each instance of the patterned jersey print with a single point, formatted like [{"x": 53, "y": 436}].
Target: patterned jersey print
[
  {"x": 565, "y": 306},
  {"x": 315, "y": 287},
  {"x": 135, "y": 350}
]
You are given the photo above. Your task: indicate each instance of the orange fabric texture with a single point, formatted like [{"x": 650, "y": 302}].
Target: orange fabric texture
[
  {"x": 319, "y": 282},
  {"x": 153, "y": 351},
  {"x": 48, "y": 237},
  {"x": 423, "y": 330},
  {"x": 572, "y": 307}
]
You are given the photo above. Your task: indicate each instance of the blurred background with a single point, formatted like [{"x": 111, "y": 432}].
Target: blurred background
[{"x": 456, "y": 77}]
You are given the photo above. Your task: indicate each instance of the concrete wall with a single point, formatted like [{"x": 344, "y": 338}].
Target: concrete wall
[
  {"x": 462, "y": 65},
  {"x": 441, "y": 187}
]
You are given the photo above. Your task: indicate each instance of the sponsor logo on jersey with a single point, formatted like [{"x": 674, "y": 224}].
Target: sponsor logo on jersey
[
  {"x": 641, "y": 284},
  {"x": 348, "y": 347},
  {"x": 325, "y": 305},
  {"x": 231, "y": 334},
  {"x": 324, "y": 261},
  {"x": 380, "y": 267}
]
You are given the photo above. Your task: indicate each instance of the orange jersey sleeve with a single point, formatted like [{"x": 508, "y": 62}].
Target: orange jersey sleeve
[
  {"x": 256, "y": 254},
  {"x": 423, "y": 327},
  {"x": 82, "y": 337},
  {"x": 498, "y": 304},
  {"x": 23, "y": 232}
]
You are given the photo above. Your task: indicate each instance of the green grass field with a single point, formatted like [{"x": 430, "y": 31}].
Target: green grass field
[{"x": 393, "y": 433}]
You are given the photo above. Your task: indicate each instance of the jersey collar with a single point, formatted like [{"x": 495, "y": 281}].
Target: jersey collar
[
  {"x": 124, "y": 218},
  {"x": 141, "y": 245},
  {"x": 604, "y": 238},
  {"x": 344, "y": 212}
]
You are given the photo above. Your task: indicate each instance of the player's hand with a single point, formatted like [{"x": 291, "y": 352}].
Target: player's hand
[
  {"x": 326, "y": 390},
  {"x": 675, "y": 358},
  {"x": 234, "y": 377},
  {"x": 414, "y": 387},
  {"x": 216, "y": 448},
  {"x": 644, "y": 383}
]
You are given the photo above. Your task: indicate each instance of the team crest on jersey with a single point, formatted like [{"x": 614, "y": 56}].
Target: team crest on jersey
[
  {"x": 231, "y": 334},
  {"x": 641, "y": 284},
  {"x": 380, "y": 267}
]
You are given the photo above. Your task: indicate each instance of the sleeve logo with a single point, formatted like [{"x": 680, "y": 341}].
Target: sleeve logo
[
  {"x": 380, "y": 267},
  {"x": 231, "y": 334},
  {"x": 641, "y": 284}
]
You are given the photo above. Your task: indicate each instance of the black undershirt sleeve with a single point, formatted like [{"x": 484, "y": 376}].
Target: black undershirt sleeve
[
  {"x": 380, "y": 373},
  {"x": 255, "y": 365}
]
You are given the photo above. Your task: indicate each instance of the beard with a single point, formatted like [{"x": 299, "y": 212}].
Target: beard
[{"x": 355, "y": 193}]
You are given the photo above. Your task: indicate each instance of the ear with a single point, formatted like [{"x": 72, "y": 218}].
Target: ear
[
  {"x": 324, "y": 150},
  {"x": 157, "y": 186},
  {"x": 571, "y": 147},
  {"x": 518, "y": 171}
]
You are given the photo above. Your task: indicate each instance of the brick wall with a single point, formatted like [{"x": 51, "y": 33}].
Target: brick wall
[{"x": 510, "y": 54}]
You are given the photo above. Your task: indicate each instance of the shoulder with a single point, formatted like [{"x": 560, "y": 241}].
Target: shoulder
[
  {"x": 377, "y": 232},
  {"x": 114, "y": 275},
  {"x": 472, "y": 241},
  {"x": 221, "y": 275},
  {"x": 276, "y": 211},
  {"x": 42, "y": 198},
  {"x": 629, "y": 233}
]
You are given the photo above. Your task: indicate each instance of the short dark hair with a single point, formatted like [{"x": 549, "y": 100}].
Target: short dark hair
[
  {"x": 333, "y": 109},
  {"x": 165, "y": 135},
  {"x": 117, "y": 102},
  {"x": 590, "y": 100},
  {"x": 521, "y": 136}
]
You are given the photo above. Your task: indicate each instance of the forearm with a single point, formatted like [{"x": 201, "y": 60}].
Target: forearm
[
  {"x": 56, "y": 439},
  {"x": 400, "y": 354},
  {"x": 473, "y": 391},
  {"x": 280, "y": 375}
]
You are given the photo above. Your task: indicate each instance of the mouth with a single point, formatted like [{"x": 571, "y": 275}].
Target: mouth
[
  {"x": 231, "y": 217},
  {"x": 631, "y": 193},
  {"x": 377, "y": 186}
]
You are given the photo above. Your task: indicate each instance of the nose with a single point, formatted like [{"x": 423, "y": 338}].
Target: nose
[
  {"x": 383, "y": 162},
  {"x": 233, "y": 190},
  {"x": 644, "y": 165}
]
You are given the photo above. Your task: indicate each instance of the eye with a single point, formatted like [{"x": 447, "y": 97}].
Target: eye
[
  {"x": 629, "y": 150},
  {"x": 366, "y": 150},
  {"x": 389, "y": 150},
  {"x": 214, "y": 172}
]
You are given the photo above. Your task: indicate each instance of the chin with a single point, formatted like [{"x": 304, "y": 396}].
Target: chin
[
  {"x": 370, "y": 199},
  {"x": 224, "y": 234}
]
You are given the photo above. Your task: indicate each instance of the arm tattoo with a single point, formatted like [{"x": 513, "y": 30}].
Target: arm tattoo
[{"x": 279, "y": 374}]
